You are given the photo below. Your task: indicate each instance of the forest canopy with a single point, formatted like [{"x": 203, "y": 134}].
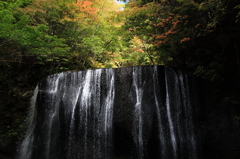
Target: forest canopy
[{"x": 60, "y": 35}]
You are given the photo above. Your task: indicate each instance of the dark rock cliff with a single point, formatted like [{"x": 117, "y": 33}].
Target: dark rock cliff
[{"x": 218, "y": 123}]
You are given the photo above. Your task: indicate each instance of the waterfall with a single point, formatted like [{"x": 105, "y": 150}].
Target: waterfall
[
  {"x": 179, "y": 106},
  {"x": 162, "y": 136},
  {"x": 26, "y": 145},
  {"x": 137, "y": 83},
  {"x": 169, "y": 117},
  {"x": 141, "y": 112}
]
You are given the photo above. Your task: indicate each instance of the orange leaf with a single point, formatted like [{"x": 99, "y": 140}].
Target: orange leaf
[
  {"x": 184, "y": 39},
  {"x": 160, "y": 36},
  {"x": 87, "y": 3}
]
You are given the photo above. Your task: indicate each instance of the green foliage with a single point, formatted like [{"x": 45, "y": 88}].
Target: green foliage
[
  {"x": 19, "y": 37},
  {"x": 11, "y": 132},
  {"x": 237, "y": 117},
  {"x": 202, "y": 36},
  {"x": 199, "y": 35}
]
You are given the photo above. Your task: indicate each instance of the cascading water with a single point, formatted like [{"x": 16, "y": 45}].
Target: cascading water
[
  {"x": 137, "y": 122},
  {"x": 73, "y": 119},
  {"x": 141, "y": 112},
  {"x": 170, "y": 120}
]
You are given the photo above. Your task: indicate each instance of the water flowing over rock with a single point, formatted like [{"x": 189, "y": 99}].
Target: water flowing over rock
[{"x": 141, "y": 112}]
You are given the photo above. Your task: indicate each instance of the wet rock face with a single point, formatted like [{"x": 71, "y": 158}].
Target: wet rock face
[
  {"x": 125, "y": 114},
  {"x": 136, "y": 112},
  {"x": 133, "y": 113},
  {"x": 217, "y": 122}
]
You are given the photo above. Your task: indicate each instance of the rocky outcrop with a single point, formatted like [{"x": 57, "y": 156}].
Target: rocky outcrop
[
  {"x": 216, "y": 124},
  {"x": 136, "y": 112}
]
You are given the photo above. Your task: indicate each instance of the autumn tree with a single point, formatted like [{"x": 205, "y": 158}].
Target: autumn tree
[{"x": 201, "y": 36}]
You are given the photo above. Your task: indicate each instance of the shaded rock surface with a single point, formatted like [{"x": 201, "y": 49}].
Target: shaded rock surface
[
  {"x": 216, "y": 124},
  {"x": 138, "y": 112}
]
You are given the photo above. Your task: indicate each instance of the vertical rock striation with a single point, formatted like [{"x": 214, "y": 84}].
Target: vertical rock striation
[{"x": 141, "y": 112}]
